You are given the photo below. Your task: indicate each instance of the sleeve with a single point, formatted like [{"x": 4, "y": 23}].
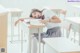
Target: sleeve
[{"x": 48, "y": 14}]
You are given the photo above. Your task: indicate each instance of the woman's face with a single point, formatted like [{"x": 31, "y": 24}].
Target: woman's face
[{"x": 36, "y": 14}]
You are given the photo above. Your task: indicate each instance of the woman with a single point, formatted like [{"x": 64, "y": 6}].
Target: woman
[
  {"x": 49, "y": 18},
  {"x": 51, "y": 21}
]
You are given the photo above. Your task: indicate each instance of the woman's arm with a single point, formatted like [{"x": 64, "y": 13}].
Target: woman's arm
[
  {"x": 55, "y": 19},
  {"x": 21, "y": 19}
]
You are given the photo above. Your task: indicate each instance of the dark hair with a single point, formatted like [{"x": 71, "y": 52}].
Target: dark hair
[{"x": 35, "y": 10}]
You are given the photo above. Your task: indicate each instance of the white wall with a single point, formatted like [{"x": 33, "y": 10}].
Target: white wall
[{"x": 27, "y": 5}]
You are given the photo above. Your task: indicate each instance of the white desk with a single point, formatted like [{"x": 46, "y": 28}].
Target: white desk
[
  {"x": 14, "y": 12},
  {"x": 75, "y": 24},
  {"x": 62, "y": 45},
  {"x": 32, "y": 29}
]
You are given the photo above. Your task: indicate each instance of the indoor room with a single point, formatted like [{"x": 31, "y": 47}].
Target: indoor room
[{"x": 39, "y": 26}]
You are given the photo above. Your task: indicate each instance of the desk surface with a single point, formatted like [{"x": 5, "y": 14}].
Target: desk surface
[
  {"x": 3, "y": 10},
  {"x": 14, "y": 10},
  {"x": 62, "y": 45},
  {"x": 33, "y": 25},
  {"x": 36, "y": 26},
  {"x": 73, "y": 19}
]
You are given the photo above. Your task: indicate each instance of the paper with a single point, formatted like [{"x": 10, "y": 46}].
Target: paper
[{"x": 35, "y": 22}]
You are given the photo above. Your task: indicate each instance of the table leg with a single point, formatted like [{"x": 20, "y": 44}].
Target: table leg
[
  {"x": 63, "y": 31},
  {"x": 29, "y": 43},
  {"x": 68, "y": 32},
  {"x": 74, "y": 36},
  {"x": 19, "y": 28},
  {"x": 21, "y": 41},
  {"x": 79, "y": 38},
  {"x": 43, "y": 47},
  {"x": 39, "y": 40},
  {"x": 12, "y": 28}
]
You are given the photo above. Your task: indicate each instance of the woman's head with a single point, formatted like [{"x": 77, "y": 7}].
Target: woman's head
[{"x": 36, "y": 13}]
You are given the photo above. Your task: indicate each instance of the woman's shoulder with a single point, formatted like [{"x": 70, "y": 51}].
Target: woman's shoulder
[{"x": 47, "y": 10}]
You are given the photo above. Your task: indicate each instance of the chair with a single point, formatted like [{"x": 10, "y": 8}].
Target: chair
[
  {"x": 14, "y": 13},
  {"x": 67, "y": 27}
]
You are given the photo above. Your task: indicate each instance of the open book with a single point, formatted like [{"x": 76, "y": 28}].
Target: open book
[{"x": 34, "y": 21}]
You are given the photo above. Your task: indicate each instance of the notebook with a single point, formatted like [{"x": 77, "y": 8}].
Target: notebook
[{"x": 36, "y": 22}]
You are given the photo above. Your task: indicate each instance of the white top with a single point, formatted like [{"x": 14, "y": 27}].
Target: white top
[
  {"x": 49, "y": 14},
  {"x": 62, "y": 44}
]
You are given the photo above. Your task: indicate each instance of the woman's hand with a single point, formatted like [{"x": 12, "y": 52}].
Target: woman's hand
[
  {"x": 22, "y": 19},
  {"x": 44, "y": 21}
]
